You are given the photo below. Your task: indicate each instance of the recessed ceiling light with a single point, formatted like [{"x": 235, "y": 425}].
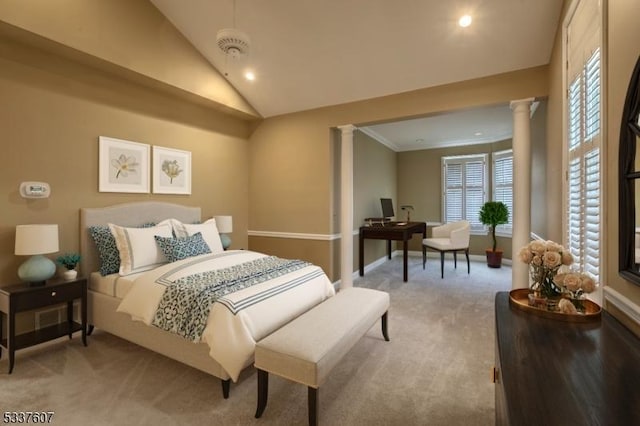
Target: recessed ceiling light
[
  {"x": 478, "y": 133},
  {"x": 465, "y": 21},
  {"x": 249, "y": 75}
]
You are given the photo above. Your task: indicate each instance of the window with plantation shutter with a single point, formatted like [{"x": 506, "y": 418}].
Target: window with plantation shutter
[
  {"x": 503, "y": 185},
  {"x": 464, "y": 188},
  {"x": 583, "y": 106}
]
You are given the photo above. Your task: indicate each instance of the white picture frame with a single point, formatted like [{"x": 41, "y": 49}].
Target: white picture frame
[
  {"x": 171, "y": 171},
  {"x": 123, "y": 166}
]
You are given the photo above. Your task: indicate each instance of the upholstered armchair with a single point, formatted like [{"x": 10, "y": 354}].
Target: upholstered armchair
[{"x": 451, "y": 237}]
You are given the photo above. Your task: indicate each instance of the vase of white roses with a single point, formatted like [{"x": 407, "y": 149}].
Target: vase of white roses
[
  {"x": 575, "y": 286},
  {"x": 545, "y": 259},
  {"x": 551, "y": 289}
]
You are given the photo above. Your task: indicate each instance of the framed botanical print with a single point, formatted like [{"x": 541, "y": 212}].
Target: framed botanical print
[
  {"x": 123, "y": 166},
  {"x": 171, "y": 171}
]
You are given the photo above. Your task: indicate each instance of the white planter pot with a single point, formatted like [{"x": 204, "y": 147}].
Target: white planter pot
[{"x": 70, "y": 274}]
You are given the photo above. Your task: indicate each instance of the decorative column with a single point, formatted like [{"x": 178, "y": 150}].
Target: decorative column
[
  {"x": 346, "y": 209},
  {"x": 521, "y": 189}
]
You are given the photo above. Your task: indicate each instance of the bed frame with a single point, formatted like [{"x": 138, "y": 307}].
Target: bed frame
[{"x": 102, "y": 308}]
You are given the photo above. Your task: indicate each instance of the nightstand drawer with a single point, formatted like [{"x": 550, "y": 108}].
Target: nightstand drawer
[{"x": 47, "y": 296}]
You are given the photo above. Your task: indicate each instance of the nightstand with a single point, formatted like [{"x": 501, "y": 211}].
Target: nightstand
[{"x": 23, "y": 297}]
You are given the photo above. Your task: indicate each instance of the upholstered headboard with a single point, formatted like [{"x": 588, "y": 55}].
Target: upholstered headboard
[{"x": 127, "y": 214}]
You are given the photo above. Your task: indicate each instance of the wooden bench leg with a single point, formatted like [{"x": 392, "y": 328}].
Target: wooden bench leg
[
  {"x": 313, "y": 406},
  {"x": 225, "y": 388},
  {"x": 385, "y": 332},
  {"x": 263, "y": 391}
]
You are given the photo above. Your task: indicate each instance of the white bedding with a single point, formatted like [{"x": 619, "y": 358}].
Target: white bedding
[
  {"x": 113, "y": 285},
  {"x": 238, "y": 320}
]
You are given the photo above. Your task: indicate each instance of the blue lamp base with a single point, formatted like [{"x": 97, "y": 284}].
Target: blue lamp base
[
  {"x": 37, "y": 269},
  {"x": 225, "y": 240}
]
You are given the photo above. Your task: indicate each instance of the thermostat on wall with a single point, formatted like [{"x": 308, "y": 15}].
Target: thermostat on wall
[{"x": 35, "y": 190}]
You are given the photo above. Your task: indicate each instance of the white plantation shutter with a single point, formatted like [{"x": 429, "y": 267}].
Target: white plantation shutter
[
  {"x": 591, "y": 262},
  {"x": 575, "y": 210},
  {"x": 592, "y": 96},
  {"x": 453, "y": 192},
  {"x": 503, "y": 185},
  {"x": 464, "y": 188},
  {"x": 575, "y": 112},
  {"x": 583, "y": 103}
]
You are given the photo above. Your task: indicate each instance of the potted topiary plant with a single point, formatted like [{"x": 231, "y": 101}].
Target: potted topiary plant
[
  {"x": 69, "y": 261},
  {"x": 492, "y": 214}
]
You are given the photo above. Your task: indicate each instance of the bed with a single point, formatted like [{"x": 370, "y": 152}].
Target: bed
[{"x": 235, "y": 322}]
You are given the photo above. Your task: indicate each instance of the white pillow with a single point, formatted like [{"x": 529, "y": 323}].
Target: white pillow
[
  {"x": 137, "y": 247},
  {"x": 208, "y": 229}
]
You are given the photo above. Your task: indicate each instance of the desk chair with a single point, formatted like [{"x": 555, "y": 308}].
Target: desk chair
[{"x": 451, "y": 237}]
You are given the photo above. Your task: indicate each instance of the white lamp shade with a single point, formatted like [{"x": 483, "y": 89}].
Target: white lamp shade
[
  {"x": 36, "y": 239},
  {"x": 224, "y": 224}
]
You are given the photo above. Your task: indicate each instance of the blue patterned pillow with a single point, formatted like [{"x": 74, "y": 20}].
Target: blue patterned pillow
[
  {"x": 175, "y": 249},
  {"x": 107, "y": 249}
]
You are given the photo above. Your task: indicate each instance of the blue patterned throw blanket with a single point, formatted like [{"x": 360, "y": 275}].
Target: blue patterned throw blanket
[{"x": 186, "y": 302}]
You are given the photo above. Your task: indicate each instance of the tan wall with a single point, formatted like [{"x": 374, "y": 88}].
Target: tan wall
[
  {"x": 539, "y": 168},
  {"x": 289, "y": 153},
  {"x": 623, "y": 51},
  {"x": 52, "y": 112},
  {"x": 130, "y": 37},
  {"x": 554, "y": 141},
  {"x": 374, "y": 177}
]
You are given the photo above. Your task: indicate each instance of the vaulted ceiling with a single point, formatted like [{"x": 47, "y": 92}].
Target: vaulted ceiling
[{"x": 308, "y": 53}]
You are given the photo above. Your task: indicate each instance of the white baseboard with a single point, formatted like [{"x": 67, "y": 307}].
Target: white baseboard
[{"x": 623, "y": 303}]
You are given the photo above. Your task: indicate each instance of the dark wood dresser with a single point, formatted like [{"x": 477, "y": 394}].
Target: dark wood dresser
[{"x": 551, "y": 372}]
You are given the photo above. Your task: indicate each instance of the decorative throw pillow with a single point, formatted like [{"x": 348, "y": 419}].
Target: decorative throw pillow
[
  {"x": 175, "y": 249},
  {"x": 137, "y": 247},
  {"x": 209, "y": 232},
  {"x": 107, "y": 249}
]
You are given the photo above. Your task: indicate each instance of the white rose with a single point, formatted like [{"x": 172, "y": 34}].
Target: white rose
[
  {"x": 567, "y": 258},
  {"x": 551, "y": 259},
  {"x": 572, "y": 282},
  {"x": 538, "y": 247},
  {"x": 588, "y": 284},
  {"x": 553, "y": 246},
  {"x": 566, "y": 307},
  {"x": 525, "y": 255}
]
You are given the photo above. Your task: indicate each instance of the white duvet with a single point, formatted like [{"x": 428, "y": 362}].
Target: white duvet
[{"x": 238, "y": 320}]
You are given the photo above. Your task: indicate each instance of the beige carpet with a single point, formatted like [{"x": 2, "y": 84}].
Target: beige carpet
[{"x": 435, "y": 371}]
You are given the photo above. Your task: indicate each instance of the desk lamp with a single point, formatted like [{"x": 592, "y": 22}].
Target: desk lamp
[
  {"x": 36, "y": 240},
  {"x": 408, "y": 208}
]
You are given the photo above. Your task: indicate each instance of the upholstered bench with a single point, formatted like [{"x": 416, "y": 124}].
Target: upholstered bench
[{"x": 306, "y": 349}]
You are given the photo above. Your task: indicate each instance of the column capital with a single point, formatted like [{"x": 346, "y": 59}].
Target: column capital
[
  {"x": 347, "y": 128},
  {"x": 519, "y": 103}
]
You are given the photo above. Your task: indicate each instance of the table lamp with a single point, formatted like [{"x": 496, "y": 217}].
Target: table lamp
[
  {"x": 36, "y": 240},
  {"x": 225, "y": 226},
  {"x": 408, "y": 209}
]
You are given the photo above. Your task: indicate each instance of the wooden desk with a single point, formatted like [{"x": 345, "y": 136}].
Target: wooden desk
[
  {"x": 553, "y": 372},
  {"x": 391, "y": 231}
]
